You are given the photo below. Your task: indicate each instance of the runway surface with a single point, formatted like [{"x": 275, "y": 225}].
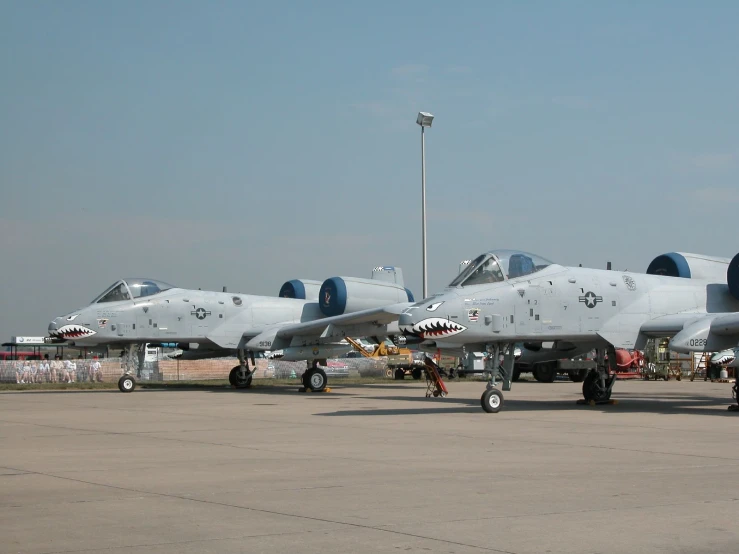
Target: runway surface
[{"x": 370, "y": 469}]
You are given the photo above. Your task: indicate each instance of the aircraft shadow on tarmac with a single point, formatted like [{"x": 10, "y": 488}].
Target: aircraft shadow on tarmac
[{"x": 627, "y": 403}]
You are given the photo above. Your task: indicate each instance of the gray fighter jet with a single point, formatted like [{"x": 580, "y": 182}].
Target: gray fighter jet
[
  {"x": 505, "y": 297},
  {"x": 306, "y": 322}
]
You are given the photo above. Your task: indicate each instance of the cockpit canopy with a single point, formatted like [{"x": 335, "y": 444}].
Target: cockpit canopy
[
  {"x": 132, "y": 288},
  {"x": 498, "y": 265}
]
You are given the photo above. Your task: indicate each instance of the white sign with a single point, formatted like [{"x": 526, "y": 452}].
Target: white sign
[{"x": 28, "y": 340}]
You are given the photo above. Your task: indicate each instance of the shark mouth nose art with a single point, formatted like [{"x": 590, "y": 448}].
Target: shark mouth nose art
[
  {"x": 435, "y": 327},
  {"x": 72, "y": 332}
]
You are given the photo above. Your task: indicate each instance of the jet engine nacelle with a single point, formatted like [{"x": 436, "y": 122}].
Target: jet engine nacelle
[
  {"x": 303, "y": 289},
  {"x": 342, "y": 295},
  {"x": 690, "y": 266},
  {"x": 732, "y": 277}
]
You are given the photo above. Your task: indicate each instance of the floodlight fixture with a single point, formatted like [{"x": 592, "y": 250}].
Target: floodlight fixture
[{"x": 424, "y": 119}]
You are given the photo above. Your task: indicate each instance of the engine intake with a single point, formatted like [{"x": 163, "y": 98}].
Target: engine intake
[
  {"x": 303, "y": 289},
  {"x": 689, "y": 266},
  {"x": 342, "y": 295}
]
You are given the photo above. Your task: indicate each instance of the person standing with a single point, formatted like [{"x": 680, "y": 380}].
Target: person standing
[
  {"x": 56, "y": 369},
  {"x": 19, "y": 370},
  {"x": 95, "y": 372},
  {"x": 68, "y": 369},
  {"x": 26, "y": 372},
  {"x": 44, "y": 369}
]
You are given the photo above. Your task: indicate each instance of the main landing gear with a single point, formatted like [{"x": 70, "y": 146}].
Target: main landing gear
[
  {"x": 492, "y": 399},
  {"x": 597, "y": 386},
  {"x": 735, "y": 395},
  {"x": 315, "y": 378},
  {"x": 240, "y": 377},
  {"x": 127, "y": 382}
]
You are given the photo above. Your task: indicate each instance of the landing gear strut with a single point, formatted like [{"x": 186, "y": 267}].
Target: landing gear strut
[
  {"x": 240, "y": 377},
  {"x": 597, "y": 386},
  {"x": 735, "y": 395},
  {"x": 127, "y": 382},
  {"x": 315, "y": 378},
  {"x": 492, "y": 399}
]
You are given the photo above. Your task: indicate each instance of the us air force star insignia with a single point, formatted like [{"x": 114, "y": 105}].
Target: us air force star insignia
[
  {"x": 590, "y": 299},
  {"x": 200, "y": 313}
]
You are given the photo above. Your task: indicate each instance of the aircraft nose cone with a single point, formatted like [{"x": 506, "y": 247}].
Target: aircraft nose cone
[{"x": 53, "y": 326}]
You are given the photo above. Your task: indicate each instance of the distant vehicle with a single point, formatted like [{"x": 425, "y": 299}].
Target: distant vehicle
[
  {"x": 7, "y": 355},
  {"x": 336, "y": 368}
]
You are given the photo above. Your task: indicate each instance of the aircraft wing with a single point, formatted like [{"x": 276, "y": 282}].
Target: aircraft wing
[
  {"x": 342, "y": 325},
  {"x": 375, "y": 321},
  {"x": 720, "y": 323},
  {"x": 669, "y": 325},
  {"x": 726, "y": 324}
]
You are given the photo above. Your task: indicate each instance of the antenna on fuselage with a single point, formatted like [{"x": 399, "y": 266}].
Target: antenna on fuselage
[
  {"x": 224, "y": 288},
  {"x": 608, "y": 266}
]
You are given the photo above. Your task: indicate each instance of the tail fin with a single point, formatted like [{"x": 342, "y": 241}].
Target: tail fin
[{"x": 388, "y": 274}]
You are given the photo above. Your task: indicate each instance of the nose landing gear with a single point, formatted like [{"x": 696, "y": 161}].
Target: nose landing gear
[{"x": 597, "y": 386}]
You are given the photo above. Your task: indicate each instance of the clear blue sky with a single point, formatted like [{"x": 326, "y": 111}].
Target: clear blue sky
[{"x": 237, "y": 143}]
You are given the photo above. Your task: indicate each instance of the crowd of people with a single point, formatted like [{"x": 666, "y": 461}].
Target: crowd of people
[{"x": 57, "y": 370}]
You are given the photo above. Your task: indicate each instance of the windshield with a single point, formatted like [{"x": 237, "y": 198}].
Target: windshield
[
  {"x": 146, "y": 287},
  {"x": 132, "y": 288},
  {"x": 115, "y": 293},
  {"x": 498, "y": 265}
]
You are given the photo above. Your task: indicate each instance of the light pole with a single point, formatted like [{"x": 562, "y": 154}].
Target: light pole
[{"x": 424, "y": 120}]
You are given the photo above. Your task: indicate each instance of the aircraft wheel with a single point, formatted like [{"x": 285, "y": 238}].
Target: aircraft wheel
[
  {"x": 516, "y": 375},
  {"x": 389, "y": 373},
  {"x": 416, "y": 373},
  {"x": 399, "y": 374},
  {"x": 126, "y": 383},
  {"x": 491, "y": 401},
  {"x": 316, "y": 379},
  {"x": 545, "y": 373},
  {"x": 592, "y": 389},
  {"x": 237, "y": 381}
]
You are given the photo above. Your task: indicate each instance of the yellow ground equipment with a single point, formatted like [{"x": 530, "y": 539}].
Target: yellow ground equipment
[{"x": 399, "y": 360}]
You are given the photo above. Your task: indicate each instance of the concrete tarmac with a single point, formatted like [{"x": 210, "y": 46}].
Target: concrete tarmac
[{"x": 372, "y": 468}]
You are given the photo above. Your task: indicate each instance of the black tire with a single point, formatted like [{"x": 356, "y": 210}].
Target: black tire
[
  {"x": 399, "y": 374},
  {"x": 577, "y": 376},
  {"x": 461, "y": 374},
  {"x": 389, "y": 373},
  {"x": 305, "y": 376},
  {"x": 236, "y": 381},
  {"x": 491, "y": 401},
  {"x": 416, "y": 373},
  {"x": 545, "y": 373},
  {"x": 591, "y": 389},
  {"x": 126, "y": 383},
  {"x": 316, "y": 380},
  {"x": 516, "y": 375}
]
